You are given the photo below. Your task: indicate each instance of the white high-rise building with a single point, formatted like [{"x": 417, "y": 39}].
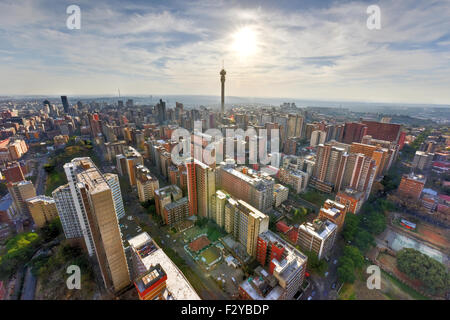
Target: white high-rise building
[
  {"x": 113, "y": 182},
  {"x": 88, "y": 205}
]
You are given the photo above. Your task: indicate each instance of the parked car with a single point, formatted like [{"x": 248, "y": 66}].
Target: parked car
[
  {"x": 313, "y": 293},
  {"x": 335, "y": 261},
  {"x": 309, "y": 298},
  {"x": 326, "y": 274},
  {"x": 333, "y": 286}
]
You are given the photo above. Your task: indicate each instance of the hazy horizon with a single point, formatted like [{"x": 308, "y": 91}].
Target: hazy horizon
[{"x": 312, "y": 50}]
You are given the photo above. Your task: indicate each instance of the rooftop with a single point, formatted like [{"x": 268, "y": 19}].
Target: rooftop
[
  {"x": 176, "y": 283},
  {"x": 322, "y": 230},
  {"x": 41, "y": 198}
]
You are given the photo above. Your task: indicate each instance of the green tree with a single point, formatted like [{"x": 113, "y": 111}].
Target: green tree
[
  {"x": 363, "y": 240},
  {"x": 416, "y": 265},
  {"x": 354, "y": 255},
  {"x": 346, "y": 272},
  {"x": 350, "y": 226}
]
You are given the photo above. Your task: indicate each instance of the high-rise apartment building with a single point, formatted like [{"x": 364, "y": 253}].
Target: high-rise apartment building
[
  {"x": 359, "y": 173},
  {"x": 283, "y": 261},
  {"x": 42, "y": 210},
  {"x": 14, "y": 172},
  {"x": 333, "y": 211},
  {"x": 114, "y": 148},
  {"x": 317, "y": 137},
  {"x": 201, "y": 185},
  {"x": 318, "y": 236},
  {"x": 67, "y": 212},
  {"x": 146, "y": 183},
  {"x": 126, "y": 163},
  {"x": 411, "y": 186},
  {"x": 295, "y": 178},
  {"x": 329, "y": 168},
  {"x": 255, "y": 188},
  {"x": 20, "y": 192},
  {"x": 218, "y": 201},
  {"x": 280, "y": 194},
  {"x": 295, "y": 126},
  {"x": 65, "y": 103},
  {"x": 92, "y": 198},
  {"x": 382, "y": 156},
  {"x": 114, "y": 184},
  {"x": 245, "y": 223},
  {"x": 353, "y": 132},
  {"x": 171, "y": 205},
  {"x": 383, "y": 131},
  {"x": 422, "y": 160},
  {"x": 351, "y": 199}
]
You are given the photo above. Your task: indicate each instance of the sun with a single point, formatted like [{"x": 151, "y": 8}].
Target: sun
[{"x": 245, "y": 42}]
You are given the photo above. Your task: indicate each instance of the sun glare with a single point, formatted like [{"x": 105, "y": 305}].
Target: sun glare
[{"x": 245, "y": 43}]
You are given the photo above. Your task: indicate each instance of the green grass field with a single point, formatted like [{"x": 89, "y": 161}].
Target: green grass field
[{"x": 210, "y": 254}]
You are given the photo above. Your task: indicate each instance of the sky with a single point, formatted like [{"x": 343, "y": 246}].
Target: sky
[{"x": 320, "y": 50}]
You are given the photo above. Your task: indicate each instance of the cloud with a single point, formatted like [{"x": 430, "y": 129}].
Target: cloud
[{"x": 310, "y": 52}]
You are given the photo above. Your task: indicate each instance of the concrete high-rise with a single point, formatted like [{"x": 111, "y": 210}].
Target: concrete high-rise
[
  {"x": 42, "y": 210},
  {"x": 20, "y": 192},
  {"x": 65, "y": 104},
  {"x": 318, "y": 236},
  {"x": 146, "y": 183},
  {"x": 114, "y": 184},
  {"x": 126, "y": 163},
  {"x": 201, "y": 185},
  {"x": 245, "y": 223},
  {"x": 94, "y": 202},
  {"x": 255, "y": 188},
  {"x": 329, "y": 168}
]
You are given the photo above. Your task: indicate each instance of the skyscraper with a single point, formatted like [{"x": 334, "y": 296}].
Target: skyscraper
[
  {"x": 201, "y": 187},
  {"x": 65, "y": 103},
  {"x": 255, "y": 188},
  {"x": 222, "y": 100},
  {"x": 353, "y": 132},
  {"x": 93, "y": 200},
  {"x": 330, "y": 165},
  {"x": 114, "y": 184}
]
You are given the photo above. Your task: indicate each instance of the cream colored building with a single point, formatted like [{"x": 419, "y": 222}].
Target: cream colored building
[
  {"x": 42, "y": 210},
  {"x": 20, "y": 191},
  {"x": 96, "y": 211},
  {"x": 146, "y": 183},
  {"x": 280, "y": 194}
]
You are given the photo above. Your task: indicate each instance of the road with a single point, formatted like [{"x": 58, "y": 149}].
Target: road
[
  {"x": 160, "y": 233},
  {"x": 322, "y": 285},
  {"x": 41, "y": 176},
  {"x": 29, "y": 286}
]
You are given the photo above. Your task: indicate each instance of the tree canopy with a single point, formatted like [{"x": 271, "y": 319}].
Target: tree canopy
[{"x": 431, "y": 273}]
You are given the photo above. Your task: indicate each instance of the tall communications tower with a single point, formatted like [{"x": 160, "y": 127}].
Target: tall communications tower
[{"x": 222, "y": 100}]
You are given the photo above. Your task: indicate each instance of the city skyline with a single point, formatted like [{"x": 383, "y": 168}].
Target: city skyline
[{"x": 317, "y": 51}]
